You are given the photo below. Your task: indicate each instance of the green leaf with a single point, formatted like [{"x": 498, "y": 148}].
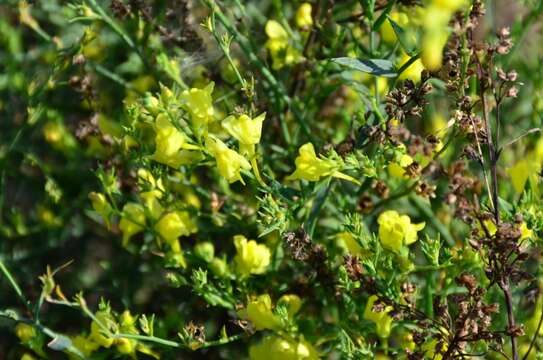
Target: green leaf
[
  {"x": 407, "y": 43},
  {"x": 378, "y": 67},
  {"x": 384, "y": 15}
]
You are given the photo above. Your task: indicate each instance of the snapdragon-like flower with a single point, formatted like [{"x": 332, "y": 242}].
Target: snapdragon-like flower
[
  {"x": 229, "y": 162},
  {"x": 101, "y": 206},
  {"x": 251, "y": 257},
  {"x": 311, "y": 168},
  {"x": 260, "y": 312},
  {"x": 132, "y": 221},
  {"x": 383, "y": 321},
  {"x": 96, "y": 333},
  {"x": 303, "y": 18},
  {"x": 173, "y": 225},
  {"x": 199, "y": 104},
  {"x": 84, "y": 345},
  {"x": 247, "y": 131},
  {"x": 397, "y": 231},
  {"x": 282, "y": 53},
  {"x": 171, "y": 146},
  {"x": 275, "y": 347}
]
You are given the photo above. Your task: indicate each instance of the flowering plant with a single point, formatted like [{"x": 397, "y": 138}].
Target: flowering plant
[{"x": 270, "y": 179}]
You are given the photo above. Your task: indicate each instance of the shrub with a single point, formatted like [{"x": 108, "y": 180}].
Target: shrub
[{"x": 270, "y": 179}]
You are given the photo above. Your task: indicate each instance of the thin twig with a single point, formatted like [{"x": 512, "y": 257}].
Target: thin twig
[{"x": 534, "y": 338}]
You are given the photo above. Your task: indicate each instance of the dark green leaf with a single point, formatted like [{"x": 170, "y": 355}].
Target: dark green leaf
[
  {"x": 407, "y": 43},
  {"x": 378, "y": 67}
]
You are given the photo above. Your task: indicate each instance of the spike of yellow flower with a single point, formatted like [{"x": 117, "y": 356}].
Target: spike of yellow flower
[
  {"x": 397, "y": 231},
  {"x": 229, "y": 162},
  {"x": 251, "y": 257}
]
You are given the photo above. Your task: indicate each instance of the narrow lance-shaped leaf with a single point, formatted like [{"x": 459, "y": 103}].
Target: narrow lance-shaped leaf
[{"x": 378, "y": 67}]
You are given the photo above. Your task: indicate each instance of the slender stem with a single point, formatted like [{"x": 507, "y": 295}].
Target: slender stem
[
  {"x": 534, "y": 338},
  {"x": 14, "y": 284},
  {"x": 317, "y": 207},
  {"x": 492, "y": 154},
  {"x": 510, "y": 317}
]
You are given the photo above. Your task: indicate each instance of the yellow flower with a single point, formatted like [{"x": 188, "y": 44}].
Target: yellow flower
[
  {"x": 525, "y": 232},
  {"x": 101, "y": 206},
  {"x": 125, "y": 346},
  {"x": 199, "y": 104},
  {"x": 229, "y": 162},
  {"x": 106, "y": 320},
  {"x": 25, "y": 332},
  {"x": 382, "y": 320},
  {"x": 292, "y": 302},
  {"x": 152, "y": 205},
  {"x": 132, "y": 221},
  {"x": 173, "y": 225},
  {"x": 436, "y": 32},
  {"x": 303, "y": 18},
  {"x": 413, "y": 71},
  {"x": 251, "y": 257},
  {"x": 398, "y": 169},
  {"x": 171, "y": 144},
  {"x": 281, "y": 51},
  {"x": 247, "y": 132},
  {"x": 260, "y": 312},
  {"x": 347, "y": 241},
  {"x": 311, "y": 168},
  {"x": 56, "y": 134},
  {"x": 527, "y": 168},
  {"x": 387, "y": 31},
  {"x": 84, "y": 345},
  {"x": 275, "y": 347},
  {"x": 520, "y": 172},
  {"x": 396, "y": 230}
]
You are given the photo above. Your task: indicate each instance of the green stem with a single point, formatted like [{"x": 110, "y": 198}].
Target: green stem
[{"x": 14, "y": 284}]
